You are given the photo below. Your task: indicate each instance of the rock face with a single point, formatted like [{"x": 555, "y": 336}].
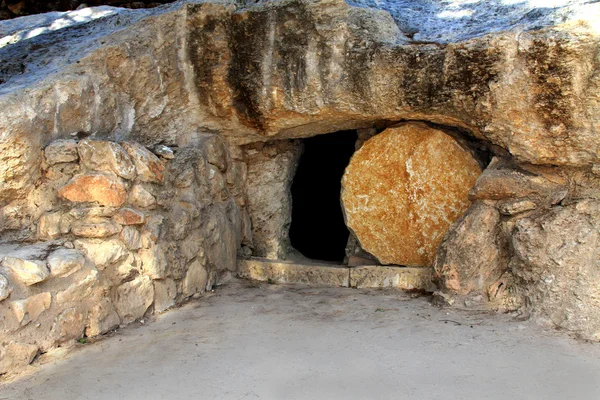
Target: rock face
[{"x": 403, "y": 189}]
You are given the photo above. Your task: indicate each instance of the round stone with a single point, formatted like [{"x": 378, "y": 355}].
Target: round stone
[{"x": 403, "y": 189}]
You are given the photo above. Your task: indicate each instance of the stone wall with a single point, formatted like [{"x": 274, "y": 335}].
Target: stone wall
[{"x": 117, "y": 231}]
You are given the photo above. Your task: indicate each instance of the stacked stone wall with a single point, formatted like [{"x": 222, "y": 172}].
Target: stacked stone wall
[{"x": 117, "y": 232}]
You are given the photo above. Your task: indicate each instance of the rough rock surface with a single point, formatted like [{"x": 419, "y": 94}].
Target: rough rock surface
[{"x": 403, "y": 189}]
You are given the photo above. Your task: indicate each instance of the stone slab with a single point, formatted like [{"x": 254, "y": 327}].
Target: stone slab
[
  {"x": 278, "y": 271},
  {"x": 405, "y": 278}
]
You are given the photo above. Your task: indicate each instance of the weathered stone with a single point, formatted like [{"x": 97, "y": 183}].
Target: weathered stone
[
  {"x": 68, "y": 325},
  {"x": 61, "y": 173},
  {"x": 133, "y": 298},
  {"x": 83, "y": 287},
  {"x": 49, "y": 225},
  {"x": 149, "y": 167},
  {"x": 31, "y": 308},
  {"x": 126, "y": 269},
  {"x": 185, "y": 178},
  {"x": 28, "y": 272},
  {"x": 164, "y": 151},
  {"x": 65, "y": 262},
  {"x": 100, "y": 229},
  {"x": 516, "y": 206},
  {"x": 129, "y": 216},
  {"x": 152, "y": 230},
  {"x": 90, "y": 213},
  {"x": 271, "y": 168},
  {"x": 216, "y": 152},
  {"x": 101, "y": 155},
  {"x": 473, "y": 254},
  {"x": 403, "y": 189},
  {"x": 5, "y": 289},
  {"x": 102, "y": 318},
  {"x": 103, "y": 189},
  {"x": 557, "y": 269},
  {"x": 164, "y": 294},
  {"x": 196, "y": 279},
  {"x": 191, "y": 246},
  {"x": 102, "y": 252},
  {"x": 179, "y": 222},
  {"x": 140, "y": 197},
  {"x": 291, "y": 272},
  {"x": 153, "y": 262},
  {"x": 131, "y": 237},
  {"x": 16, "y": 355},
  {"x": 218, "y": 187},
  {"x": 61, "y": 151},
  {"x": 499, "y": 184},
  {"x": 222, "y": 245},
  {"x": 404, "y": 278}
]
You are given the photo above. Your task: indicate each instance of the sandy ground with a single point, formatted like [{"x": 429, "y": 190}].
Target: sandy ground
[{"x": 260, "y": 341}]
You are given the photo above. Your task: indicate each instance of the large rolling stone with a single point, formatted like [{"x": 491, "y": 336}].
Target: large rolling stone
[{"x": 403, "y": 189}]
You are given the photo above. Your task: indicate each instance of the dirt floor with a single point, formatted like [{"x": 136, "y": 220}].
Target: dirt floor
[{"x": 260, "y": 341}]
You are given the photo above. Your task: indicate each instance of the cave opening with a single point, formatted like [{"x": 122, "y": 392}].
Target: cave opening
[{"x": 318, "y": 230}]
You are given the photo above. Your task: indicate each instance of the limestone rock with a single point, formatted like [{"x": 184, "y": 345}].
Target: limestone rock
[
  {"x": 61, "y": 151},
  {"x": 196, "y": 279},
  {"x": 49, "y": 226},
  {"x": 164, "y": 151},
  {"x": 65, "y": 262},
  {"x": 499, "y": 184},
  {"x": 403, "y": 189},
  {"x": 473, "y": 254},
  {"x": 216, "y": 153},
  {"x": 513, "y": 207},
  {"x": 149, "y": 167},
  {"x": 31, "y": 308},
  {"x": 102, "y": 319},
  {"x": 164, "y": 294},
  {"x": 140, "y": 197},
  {"x": 153, "y": 262},
  {"x": 271, "y": 168},
  {"x": 557, "y": 268},
  {"x": 101, "y": 155},
  {"x": 103, "y": 189},
  {"x": 133, "y": 298},
  {"x": 29, "y": 272},
  {"x": 83, "y": 287},
  {"x": 102, "y": 252},
  {"x": 89, "y": 213},
  {"x": 129, "y": 216},
  {"x": 68, "y": 325},
  {"x": 131, "y": 237},
  {"x": 16, "y": 355},
  {"x": 100, "y": 229},
  {"x": 5, "y": 288}
]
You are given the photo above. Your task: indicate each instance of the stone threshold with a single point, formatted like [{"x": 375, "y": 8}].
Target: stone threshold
[{"x": 325, "y": 274}]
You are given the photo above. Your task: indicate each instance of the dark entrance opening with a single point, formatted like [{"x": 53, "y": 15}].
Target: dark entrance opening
[{"x": 318, "y": 230}]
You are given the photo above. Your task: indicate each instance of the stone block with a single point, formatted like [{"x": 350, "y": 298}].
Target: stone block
[
  {"x": 61, "y": 151},
  {"x": 104, "y": 189},
  {"x": 290, "y": 272},
  {"x": 28, "y": 272},
  {"x": 380, "y": 276},
  {"x": 102, "y": 155},
  {"x": 133, "y": 298},
  {"x": 65, "y": 262}
]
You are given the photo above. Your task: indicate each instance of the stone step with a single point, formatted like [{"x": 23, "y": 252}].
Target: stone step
[{"x": 324, "y": 274}]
